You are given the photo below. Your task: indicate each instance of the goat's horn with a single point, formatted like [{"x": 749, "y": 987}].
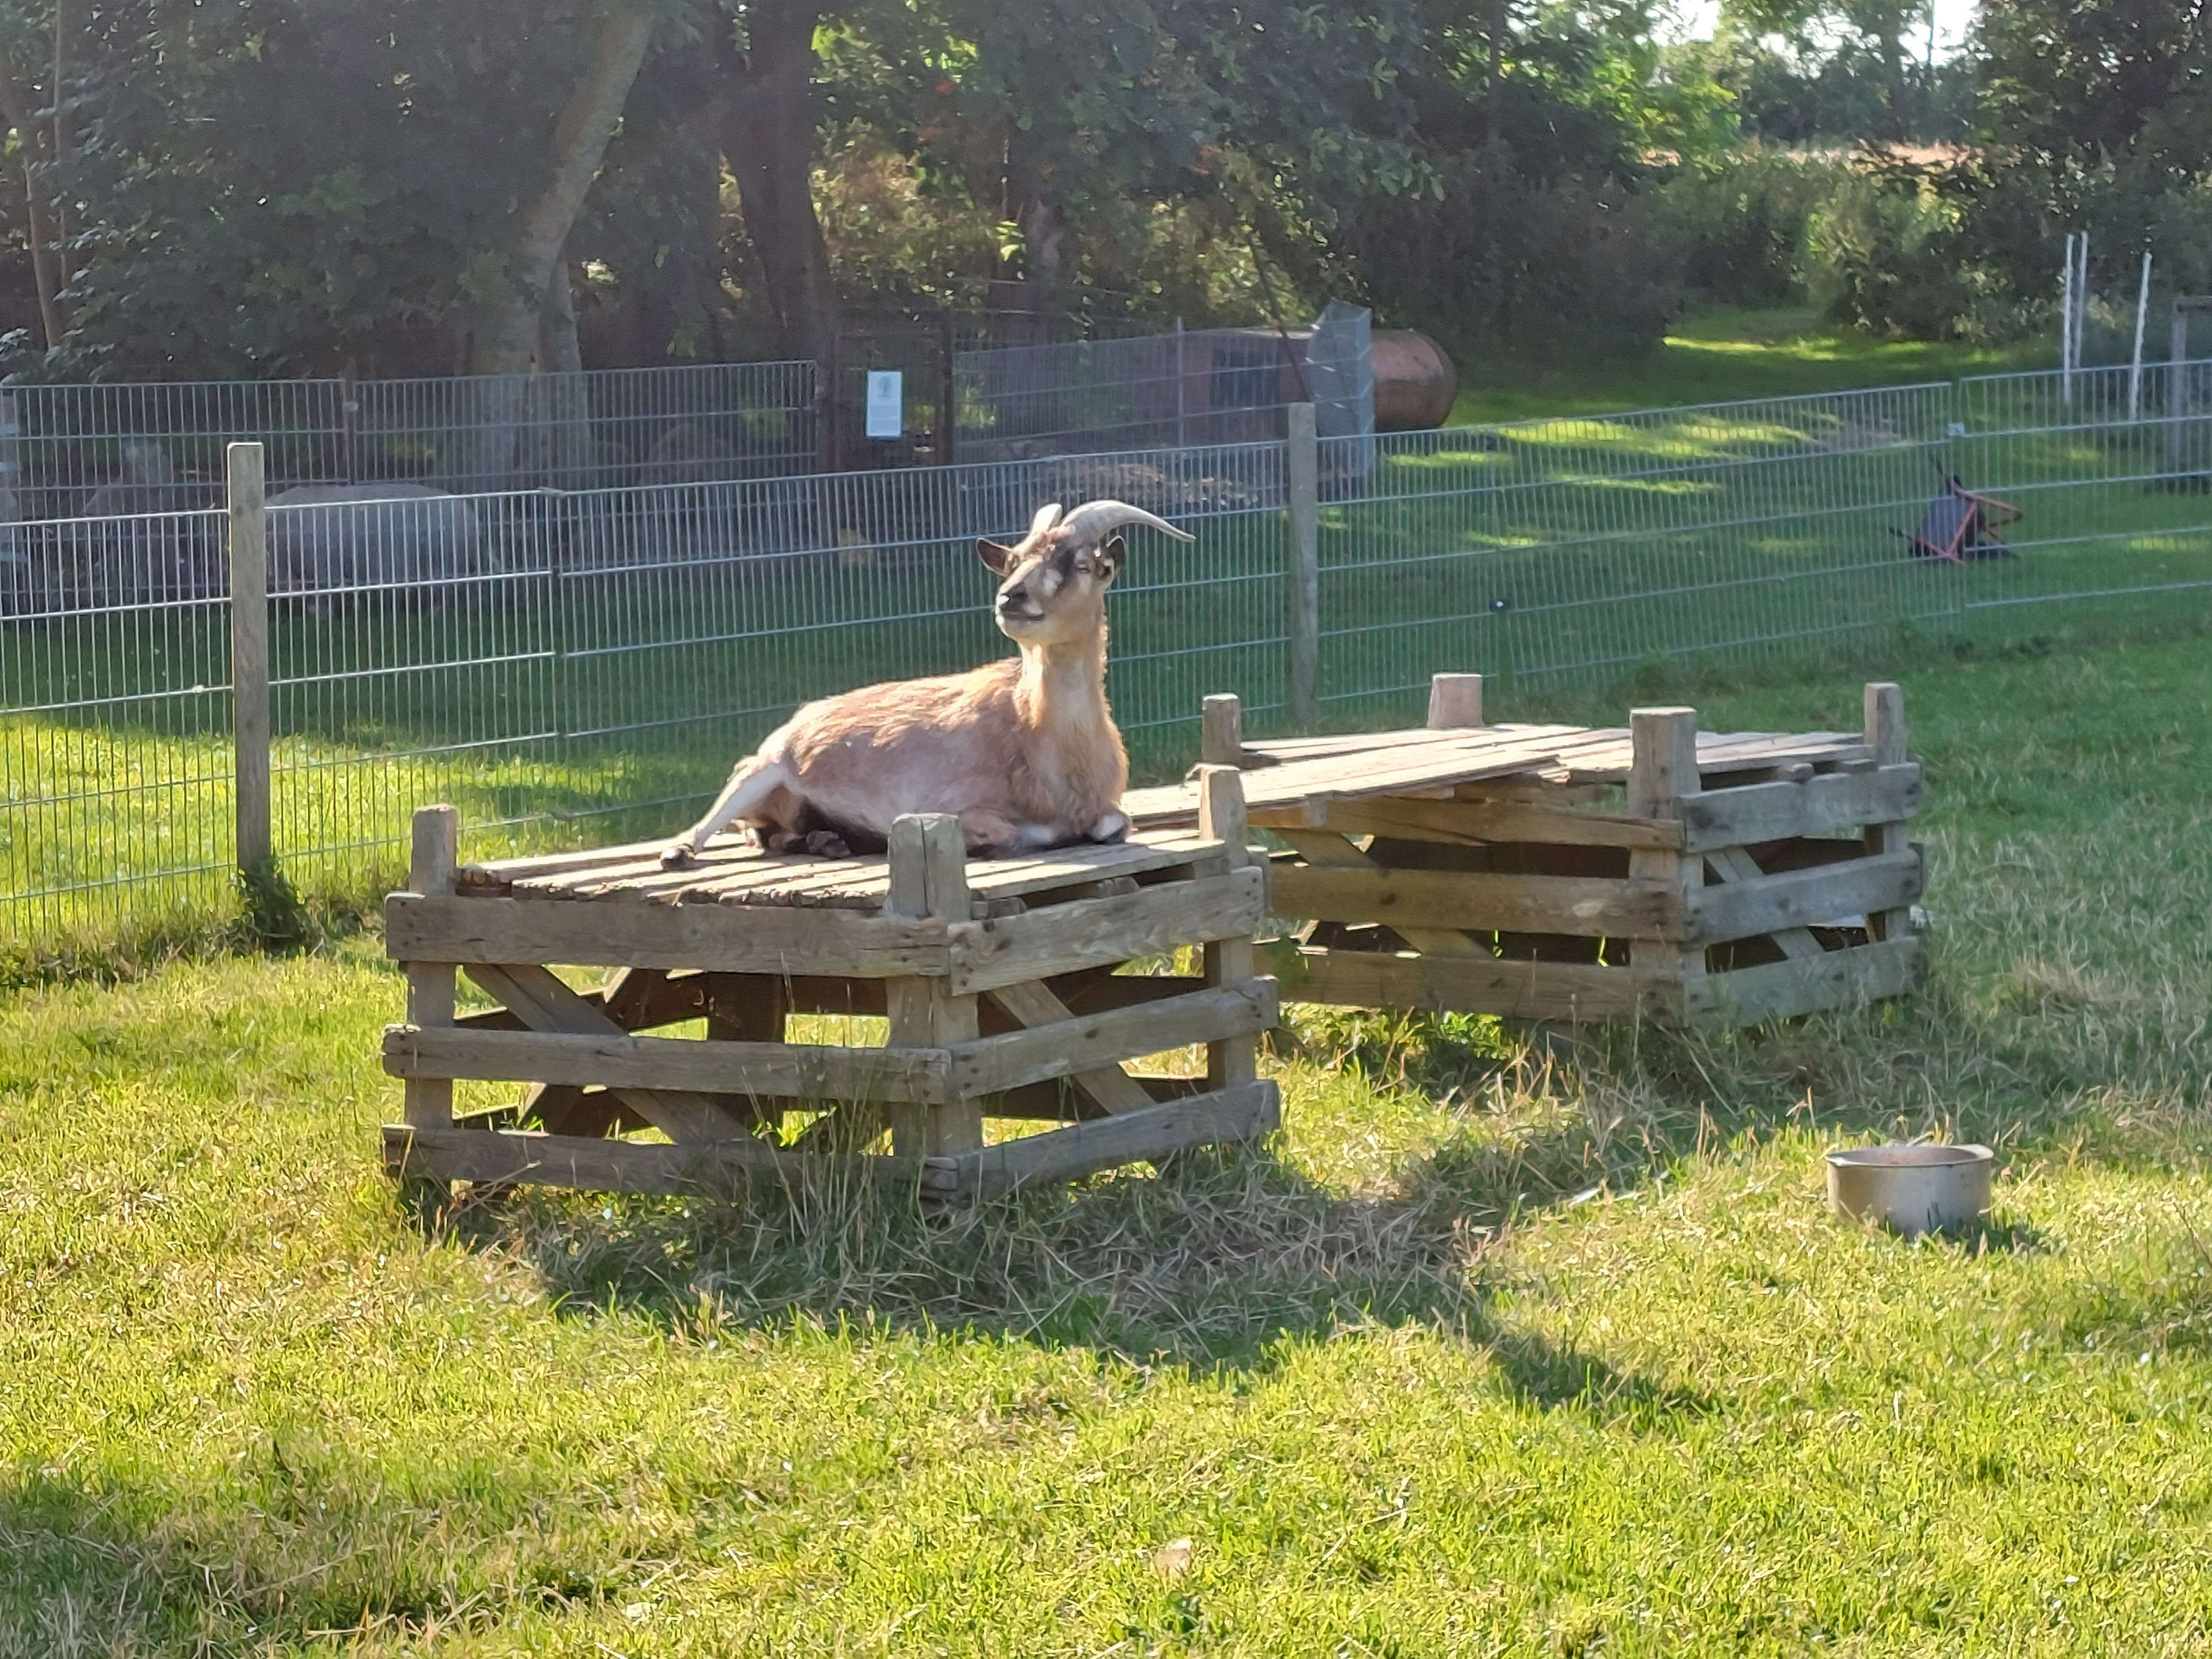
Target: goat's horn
[
  {"x": 1044, "y": 517},
  {"x": 1091, "y": 521}
]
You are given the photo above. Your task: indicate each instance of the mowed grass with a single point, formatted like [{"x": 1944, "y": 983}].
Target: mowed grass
[
  {"x": 1491, "y": 1351},
  {"x": 1717, "y": 355}
]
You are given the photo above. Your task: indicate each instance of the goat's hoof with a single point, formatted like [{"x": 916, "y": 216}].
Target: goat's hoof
[
  {"x": 679, "y": 856},
  {"x": 1111, "y": 827},
  {"x": 784, "y": 840},
  {"x": 827, "y": 844}
]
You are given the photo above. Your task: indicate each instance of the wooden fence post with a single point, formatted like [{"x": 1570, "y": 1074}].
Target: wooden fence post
[
  {"x": 1455, "y": 701},
  {"x": 1884, "y": 703},
  {"x": 249, "y": 651},
  {"x": 1303, "y": 478},
  {"x": 929, "y": 878},
  {"x": 1663, "y": 773}
]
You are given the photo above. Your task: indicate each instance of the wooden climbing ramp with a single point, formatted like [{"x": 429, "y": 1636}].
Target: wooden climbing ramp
[
  {"x": 1568, "y": 873},
  {"x": 1015, "y": 991}
]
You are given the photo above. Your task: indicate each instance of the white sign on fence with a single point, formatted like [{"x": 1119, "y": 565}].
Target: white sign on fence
[{"x": 886, "y": 402}]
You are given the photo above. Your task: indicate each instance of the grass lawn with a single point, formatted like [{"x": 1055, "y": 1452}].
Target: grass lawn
[
  {"x": 1485, "y": 1353},
  {"x": 1719, "y": 356}
]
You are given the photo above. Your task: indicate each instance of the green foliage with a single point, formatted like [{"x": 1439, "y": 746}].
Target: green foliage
[{"x": 1742, "y": 216}]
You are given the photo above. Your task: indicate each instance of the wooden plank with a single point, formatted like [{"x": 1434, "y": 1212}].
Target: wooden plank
[
  {"x": 1455, "y": 701},
  {"x": 727, "y": 938},
  {"x": 929, "y": 879},
  {"x": 1819, "y": 807},
  {"x": 1055, "y": 1036},
  {"x": 539, "y": 864},
  {"x": 1663, "y": 775},
  {"x": 1010, "y": 878},
  {"x": 709, "y": 1169},
  {"x": 1092, "y": 932},
  {"x": 620, "y": 1061},
  {"x": 1220, "y": 1115},
  {"x": 1076, "y": 1043},
  {"x": 544, "y": 1004},
  {"x": 1883, "y": 703},
  {"x": 1804, "y": 898},
  {"x": 1575, "y": 991},
  {"x": 1325, "y": 851},
  {"x": 1581, "y": 906},
  {"x": 1840, "y": 978},
  {"x": 1736, "y": 865},
  {"x": 1232, "y": 1059},
  {"x": 431, "y": 987},
  {"x": 1478, "y": 824}
]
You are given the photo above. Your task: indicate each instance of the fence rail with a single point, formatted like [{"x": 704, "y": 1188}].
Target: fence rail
[{"x": 583, "y": 665}]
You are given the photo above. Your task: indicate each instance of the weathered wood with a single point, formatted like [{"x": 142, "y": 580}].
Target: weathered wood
[
  {"x": 1574, "y": 992},
  {"x": 1802, "y": 898},
  {"x": 1884, "y": 706},
  {"x": 1076, "y": 1044},
  {"x": 1820, "y": 805},
  {"x": 1091, "y": 933},
  {"x": 617, "y": 1060},
  {"x": 1455, "y": 701},
  {"x": 1302, "y": 502},
  {"x": 1584, "y": 907},
  {"x": 1221, "y": 1115},
  {"x": 1232, "y": 1057},
  {"x": 707, "y": 1169},
  {"x": 929, "y": 879},
  {"x": 745, "y": 939},
  {"x": 1736, "y": 865},
  {"x": 1330, "y": 851},
  {"x": 1839, "y": 979},
  {"x": 1221, "y": 733},
  {"x": 1663, "y": 777},
  {"x": 431, "y": 986},
  {"x": 1479, "y": 822},
  {"x": 545, "y": 1004},
  {"x": 249, "y": 653},
  {"x": 1058, "y": 1045}
]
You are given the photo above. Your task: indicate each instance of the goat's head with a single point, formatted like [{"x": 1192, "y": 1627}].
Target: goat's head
[{"x": 1055, "y": 578}]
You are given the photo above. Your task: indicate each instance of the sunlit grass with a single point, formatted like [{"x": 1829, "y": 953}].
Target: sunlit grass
[{"x": 1491, "y": 1350}]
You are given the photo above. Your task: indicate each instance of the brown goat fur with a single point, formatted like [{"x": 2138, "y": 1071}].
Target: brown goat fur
[{"x": 1023, "y": 752}]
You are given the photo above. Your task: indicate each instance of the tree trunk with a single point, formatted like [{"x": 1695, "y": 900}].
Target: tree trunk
[
  {"x": 508, "y": 337},
  {"x": 45, "y": 264},
  {"x": 1893, "y": 69},
  {"x": 1036, "y": 211},
  {"x": 768, "y": 138}
]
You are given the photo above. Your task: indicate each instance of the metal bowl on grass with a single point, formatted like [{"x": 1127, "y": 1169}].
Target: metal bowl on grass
[{"x": 1914, "y": 1189}]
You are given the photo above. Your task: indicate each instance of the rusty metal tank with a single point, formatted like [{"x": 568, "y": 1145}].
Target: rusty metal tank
[{"x": 1414, "y": 383}]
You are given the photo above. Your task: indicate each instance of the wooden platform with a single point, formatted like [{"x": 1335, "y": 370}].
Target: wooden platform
[
  {"x": 998, "y": 978},
  {"x": 1582, "y": 874}
]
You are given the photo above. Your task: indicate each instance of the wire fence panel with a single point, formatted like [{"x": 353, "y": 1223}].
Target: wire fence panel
[
  {"x": 1557, "y": 549},
  {"x": 2111, "y": 479},
  {"x": 119, "y": 448},
  {"x": 1200, "y": 386},
  {"x": 585, "y": 664},
  {"x": 116, "y": 761}
]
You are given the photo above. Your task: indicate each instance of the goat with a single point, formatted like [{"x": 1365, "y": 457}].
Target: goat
[{"x": 1023, "y": 752}]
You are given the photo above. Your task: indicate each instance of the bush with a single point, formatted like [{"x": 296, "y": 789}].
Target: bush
[
  {"x": 1500, "y": 259},
  {"x": 1741, "y": 218}
]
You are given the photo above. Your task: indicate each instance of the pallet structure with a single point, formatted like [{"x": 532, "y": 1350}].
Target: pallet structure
[
  {"x": 1563, "y": 873},
  {"x": 998, "y": 979}
]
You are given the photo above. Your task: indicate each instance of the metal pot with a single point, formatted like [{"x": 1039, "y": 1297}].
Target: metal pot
[{"x": 1912, "y": 1189}]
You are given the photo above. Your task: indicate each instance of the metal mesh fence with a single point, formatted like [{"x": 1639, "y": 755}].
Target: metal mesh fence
[
  {"x": 1197, "y": 386},
  {"x": 119, "y": 449},
  {"x": 583, "y": 665}
]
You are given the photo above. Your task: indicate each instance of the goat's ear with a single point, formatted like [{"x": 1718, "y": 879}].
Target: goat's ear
[
  {"x": 999, "y": 558},
  {"x": 1110, "y": 554}
]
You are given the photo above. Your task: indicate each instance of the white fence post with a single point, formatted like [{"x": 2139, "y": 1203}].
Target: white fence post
[
  {"x": 1302, "y": 476},
  {"x": 249, "y": 650}
]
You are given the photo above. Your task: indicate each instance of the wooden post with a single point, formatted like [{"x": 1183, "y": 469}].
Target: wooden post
[
  {"x": 1885, "y": 735},
  {"x": 1303, "y": 478},
  {"x": 1455, "y": 701},
  {"x": 1229, "y": 961},
  {"x": 1663, "y": 773},
  {"x": 436, "y": 856},
  {"x": 249, "y": 652},
  {"x": 1221, "y": 734},
  {"x": 929, "y": 878},
  {"x": 948, "y": 412},
  {"x": 2177, "y": 386}
]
